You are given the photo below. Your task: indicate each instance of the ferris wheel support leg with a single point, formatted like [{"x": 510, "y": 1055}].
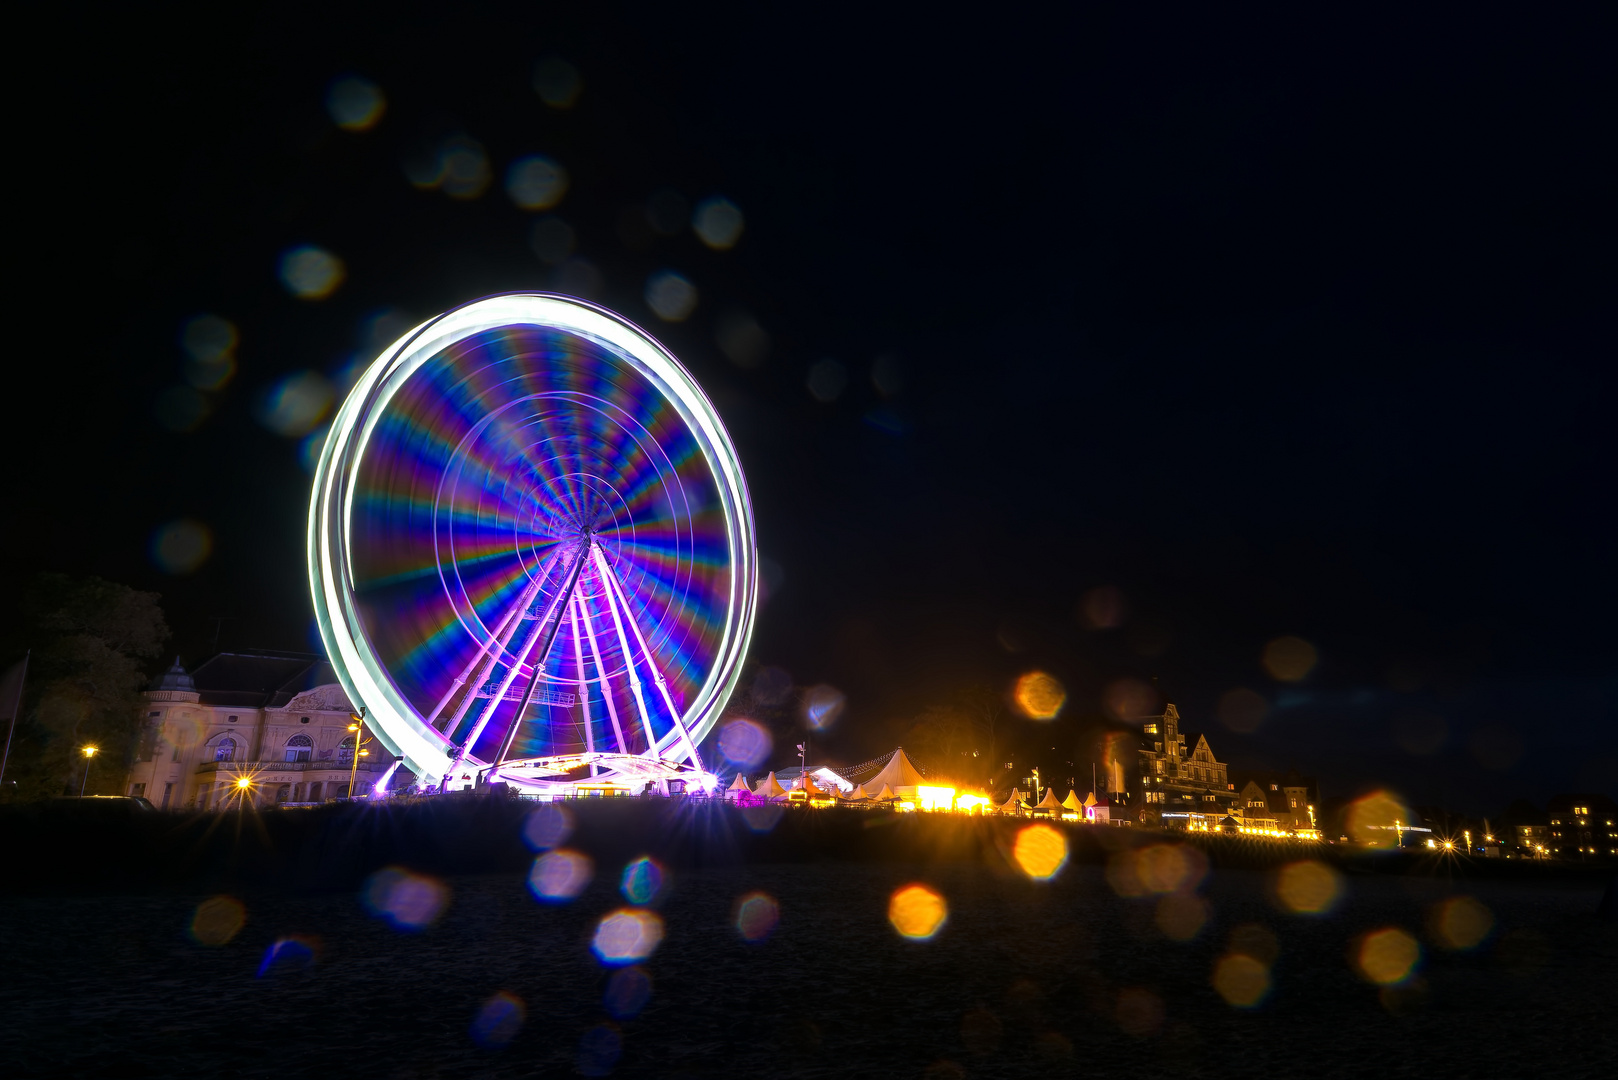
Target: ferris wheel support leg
[
  {"x": 657, "y": 673},
  {"x": 507, "y": 622},
  {"x": 623, "y": 643},
  {"x": 584, "y": 689},
  {"x": 489, "y": 656},
  {"x": 601, "y": 677},
  {"x": 546, "y": 632}
]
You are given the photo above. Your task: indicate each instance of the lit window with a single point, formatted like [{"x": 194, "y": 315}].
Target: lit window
[
  {"x": 225, "y": 750},
  {"x": 300, "y": 748}
]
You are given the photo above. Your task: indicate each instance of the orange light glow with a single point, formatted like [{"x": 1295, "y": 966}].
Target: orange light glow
[
  {"x": 1307, "y": 888},
  {"x": 1040, "y": 851},
  {"x": 1241, "y": 980},
  {"x": 1461, "y": 922},
  {"x": 1040, "y": 696},
  {"x": 917, "y": 912},
  {"x": 1387, "y": 956}
]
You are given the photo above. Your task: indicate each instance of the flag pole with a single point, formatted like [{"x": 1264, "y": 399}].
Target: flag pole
[{"x": 16, "y": 707}]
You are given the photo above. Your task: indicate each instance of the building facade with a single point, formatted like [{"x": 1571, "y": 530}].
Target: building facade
[
  {"x": 267, "y": 728},
  {"x": 1289, "y": 800},
  {"x": 1582, "y": 827},
  {"x": 1181, "y": 780}
]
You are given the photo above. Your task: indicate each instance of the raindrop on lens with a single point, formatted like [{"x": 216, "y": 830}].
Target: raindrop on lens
[
  {"x": 557, "y": 82},
  {"x": 311, "y": 273},
  {"x": 628, "y": 991},
  {"x": 536, "y": 183},
  {"x": 744, "y": 743},
  {"x": 498, "y": 1020},
  {"x": 670, "y": 295},
  {"x": 627, "y": 936},
  {"x": 546, "y": 826},
  {"x": 180, "y": 547},
  {"x": 917, "y": 912},
  {"x": 559, "y": 876},
  {"x": 297, "y": 404},
  {"x": 642, "y": 881},
  {"x": 756, "y": 916},
  {"x": 217, "y": 920},
  {"x": 599, "y": 1051},
  {"x": 355, "y": 103},
  {"x": 718, "y": 223}
]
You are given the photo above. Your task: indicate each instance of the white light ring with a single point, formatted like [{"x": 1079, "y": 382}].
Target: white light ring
[{"x": 400, "y": 728}]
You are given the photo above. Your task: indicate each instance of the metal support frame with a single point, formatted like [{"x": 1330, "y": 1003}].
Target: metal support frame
[
  {"x": 623, "y": 644},
  {"x": 651, "y": 664},
  {"x": 584, "y": 689},
  {"x": 601, "y": 678},
  {"x": 546, "y": 631}
]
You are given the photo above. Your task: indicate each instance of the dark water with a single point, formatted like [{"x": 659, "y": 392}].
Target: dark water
[{"x": 1059, "y": 979}]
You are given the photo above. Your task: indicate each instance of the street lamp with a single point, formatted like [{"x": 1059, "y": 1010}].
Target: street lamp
[
  {"x": 89, "y": 753},
  {"x": 358, "y": 728}
]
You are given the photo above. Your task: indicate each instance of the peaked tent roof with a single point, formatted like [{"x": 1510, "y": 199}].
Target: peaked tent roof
[
  {"x": 1091, "y": 800},
  {"x": 885, "y": 794},
  {"x": 1050, "y": 802},
  {"x": 899, "y": 772},
  {"x": 769, "y": 788},
  {"x": 740, "y": 784},
  {"x": 1014, "y": 801},
  {"x": 857, "y": 793},
  {"x": 1072, "y": 801}
]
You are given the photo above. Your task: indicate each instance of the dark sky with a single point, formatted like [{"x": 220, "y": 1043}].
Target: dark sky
[{"x": 1275, "y": 327}]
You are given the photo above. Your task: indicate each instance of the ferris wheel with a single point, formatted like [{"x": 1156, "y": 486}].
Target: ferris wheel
[{"x": 531, "y": 549}]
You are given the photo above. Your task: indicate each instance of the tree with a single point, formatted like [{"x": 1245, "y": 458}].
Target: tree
[{"x": 92, "y": 642}]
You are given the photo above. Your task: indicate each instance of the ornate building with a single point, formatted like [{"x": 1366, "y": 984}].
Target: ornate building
[
  {"x": 279, "y": 721},
  {"x": 1288, "y": 800},
  {"x": 1179, "y": 774},
  {"x": 1582, "y": 826}
]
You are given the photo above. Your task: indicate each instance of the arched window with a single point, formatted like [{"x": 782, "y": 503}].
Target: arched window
[
  {"x": 345, "y": 750},
  {"x": 225, "y": 750},
  {"x": 300, "y": 748}
]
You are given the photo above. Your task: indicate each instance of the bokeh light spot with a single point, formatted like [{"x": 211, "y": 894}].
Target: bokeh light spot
[
  {"x": 822, "y": 706},
  {"x": 1307, "y": 888},
  {"x": 407, "y": 901},
  {"x": 210, "y": 345},
  {"x": 599, "y": 1050},
  {"x": 826, "y": 380},
  {"x": 1129, "y": 700},
  {"x": 559, "y": 876},
  {"x": 557, "y": 82},
  {"x": 1243, "y": 710},
  {"x": 756, "y": 916},
  {"x": 1181, "y": 916},
  {"x": 499, "y": 1020},
  {"x": 1103, "y": 608},
  {"x": 1289, "y": 659},
  {"x": 742, "y": 339},
  {"x": 536, "y": 183},
  {"x": 180, "y": 547},
  {"x": 628, "y": 991},
  {"x": 744, "y": 743},
  {"x": 217, "y": 920},
  {"x": 641, "y": 882},
  {"x": 297, "y": 404},
  {"x": 1461, "y": 923},
  {"x": 1243, "y": 981},
  {"x": 1387, "y": 956},
  {"x": 295, "y": 953},
  {"x": 671, "y": 296},
  {"x": 718, "y": 223},
  {"x": 180, "y": 408},
  {"x": 355, "y": 103},
  {"x": 463, "y": 168},
  {"x": 626, "y": 936},
  {"x": 548, "y": 825},
  {"x": 311, "y": 273},
  {"x": 1166, "y": 868},
  {"x": 1040, "y": 851},
  {"x": 1375, "y": 819},
  {"x": 1039, "y": 696},
  {"x": 917, "y": 912}
]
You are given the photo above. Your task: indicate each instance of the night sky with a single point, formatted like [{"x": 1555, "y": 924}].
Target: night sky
[{"x": 1270, "y": 328}]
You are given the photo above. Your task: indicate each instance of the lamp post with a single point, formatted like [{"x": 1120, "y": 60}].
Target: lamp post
[
  {"x": 358, "y": 728},
  {"x": 89, "y": 753}
]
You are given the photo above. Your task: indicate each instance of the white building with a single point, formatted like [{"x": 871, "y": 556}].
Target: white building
[{"x": 279, "y": 721}]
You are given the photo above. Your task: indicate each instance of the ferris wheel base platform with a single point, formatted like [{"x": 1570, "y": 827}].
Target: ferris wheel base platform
[{"x": 593, "y": 774}]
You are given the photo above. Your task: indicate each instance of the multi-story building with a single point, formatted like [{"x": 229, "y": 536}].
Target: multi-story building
[
  {"x": 1582, "y": 826},
  {"x": 1289, "y": 800},
  {"x": 1179, "y": 774},
  {"x": 268, "y": 727}
]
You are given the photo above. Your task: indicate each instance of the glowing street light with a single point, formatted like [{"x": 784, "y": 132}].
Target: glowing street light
[
  {"x": 360, "y": 741},
  {"x": 89, "y": 753}
]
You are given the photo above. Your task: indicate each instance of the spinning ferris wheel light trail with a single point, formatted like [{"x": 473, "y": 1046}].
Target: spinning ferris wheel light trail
[{"x": 531, "y": 550}]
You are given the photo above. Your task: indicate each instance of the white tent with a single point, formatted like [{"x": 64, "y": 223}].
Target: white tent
[
  {"x": 885, "y": 794},
  {"x": 899, "y": 772},
  {"x": 1072, "y": 803},
  {"x": 770, "y": 788},
  {"x": 737, "y": 787},
  {"x": 1050, "y": 802},
  {"x": 857, "y": 794},
  {"x": 1091, "y": 800}
]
